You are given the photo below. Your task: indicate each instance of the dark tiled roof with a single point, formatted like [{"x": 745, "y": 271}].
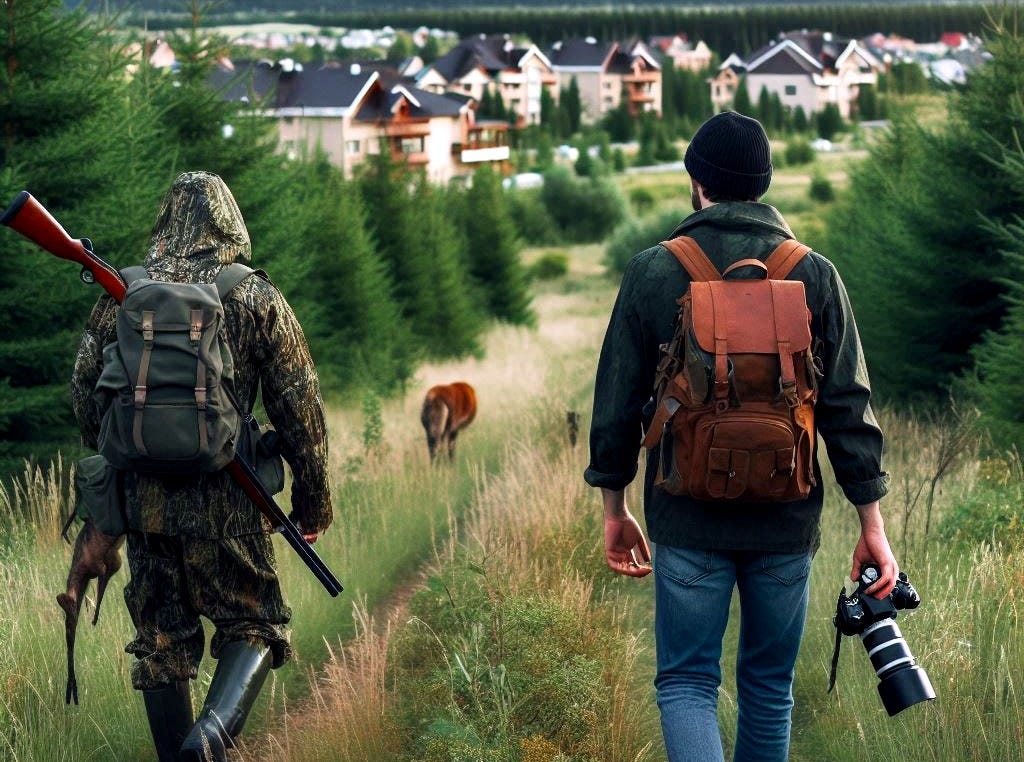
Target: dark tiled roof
[
  {"x": 380, "y": 104},
  {"x": 786, "y": 61},
  {"x": 492, "y": 54},
  {"x": 579, "y": 53},
  {"x": 249, "y": 81},
  {"x": 620, "y": 63},
  {"x": 321, "y": 88},
  {"x": 820, "y": 46}
]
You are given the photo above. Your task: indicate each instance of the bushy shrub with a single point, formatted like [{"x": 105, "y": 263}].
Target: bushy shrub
[
  {"x": 637, "y": 235},
  {"x": 532, "y": 219},
  {"x": 798, "y": 151},
  {"x": 821, "y": 189},
  {"x": 553, "y": 264},
  {"x": 584, "y": 209},
  {"x": 642, "y": 200},
  {"x": 992, "y": 512}
]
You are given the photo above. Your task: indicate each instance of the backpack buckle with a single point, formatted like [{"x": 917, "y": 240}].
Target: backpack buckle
[
  {"x": 140, "y": 397},
  {"x": 147, "y": 326},
  {"x": 788, "y": 392},
  {"x": 196, "y": 325}
]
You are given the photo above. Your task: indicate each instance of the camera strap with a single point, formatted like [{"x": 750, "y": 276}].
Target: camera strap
[{"x": 835, "y": 662}]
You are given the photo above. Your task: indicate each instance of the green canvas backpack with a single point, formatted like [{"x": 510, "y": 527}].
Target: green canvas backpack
[{"x": 167, "y": 385}]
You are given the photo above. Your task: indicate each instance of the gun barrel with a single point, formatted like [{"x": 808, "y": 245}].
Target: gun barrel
[{"x": 250, "y": 483}]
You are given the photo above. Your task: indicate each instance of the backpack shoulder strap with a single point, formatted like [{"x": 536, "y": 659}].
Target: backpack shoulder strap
[
  {"x": 132, "y": 274},
  {"x": 230, "y": 276},
  {"x": 692, "y": 258},
  {"x": 786, "y": 256}
]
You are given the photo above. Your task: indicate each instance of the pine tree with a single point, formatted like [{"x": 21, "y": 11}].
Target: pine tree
[
  {"x": 573, "y": 106},
  {"x": 416, "y": 240},
  {"x": 914, "y": 236},
  {"x": 354, "y": 327},
  {"x": 830, "y": 121},
  {"x": 741, "y": 102},
  {"x": 994, "y": 384},
  {"x": 493, "y": 248},
  {"x": 75, "y": 134}
]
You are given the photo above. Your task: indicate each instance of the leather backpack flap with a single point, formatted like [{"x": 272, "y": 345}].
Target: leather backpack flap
[{"x": 752, "y": 311}]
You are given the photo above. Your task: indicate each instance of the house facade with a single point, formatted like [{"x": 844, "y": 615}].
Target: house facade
[
  {"x": 351, "y": 113},
  {"x": 806, "y": 70},
  {"x": 682, "y": 53},
  {"x": 608, "y": 74},
  {"x": 494, "y": 63}
]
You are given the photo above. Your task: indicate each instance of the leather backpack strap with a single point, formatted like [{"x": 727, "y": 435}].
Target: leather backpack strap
[
  {"x": 692, "y": 258},
  {"x": 762, "y": 269},
  {"x": 786, "y": 256}
]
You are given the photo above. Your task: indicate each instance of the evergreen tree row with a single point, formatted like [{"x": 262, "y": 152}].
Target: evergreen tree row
[
  {"x": 726, "y": 28},
  {"x": 384, "y": 271},
  {"x": 929, "y": 241}
]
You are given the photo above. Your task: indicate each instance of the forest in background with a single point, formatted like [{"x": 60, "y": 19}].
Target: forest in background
[{"x": 726, "y": 28}]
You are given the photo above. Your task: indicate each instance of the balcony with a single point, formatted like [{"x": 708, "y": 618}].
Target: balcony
[
  {"x": 407, "y": 129},
  {"x": 412, "y": 158},
  {"x": 477, "y": 155},
  {"x": 641, "y": 77}
]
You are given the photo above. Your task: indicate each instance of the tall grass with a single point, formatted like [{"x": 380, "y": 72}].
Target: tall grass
[{"x": 392, "y": 508}]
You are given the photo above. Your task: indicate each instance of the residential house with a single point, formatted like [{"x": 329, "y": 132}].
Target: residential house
[
  {"x": 608, "y": 74},
  {"x": 683, "y": 54},
  {"x": 809, "y": 70},
  {"x": 352, "y": 112},
  {"x": 724, "y": 83},
  {"x": 518, "y": 74}
]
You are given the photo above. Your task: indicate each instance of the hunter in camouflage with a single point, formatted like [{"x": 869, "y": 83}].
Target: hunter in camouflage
[{"x": 196, "y": 544}]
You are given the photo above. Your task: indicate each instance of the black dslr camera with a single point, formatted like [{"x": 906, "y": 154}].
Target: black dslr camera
[{"x": 902, "y": 682}]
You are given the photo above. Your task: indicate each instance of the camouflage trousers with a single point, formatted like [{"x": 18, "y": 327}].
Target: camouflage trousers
[{"x": 174, "y": 579}]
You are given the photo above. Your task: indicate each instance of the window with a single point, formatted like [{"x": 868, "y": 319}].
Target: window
[
  {"x": 411, "y": 145},
  {"x": 352, "y": 147},
  {"x": 790, "y": 89}
]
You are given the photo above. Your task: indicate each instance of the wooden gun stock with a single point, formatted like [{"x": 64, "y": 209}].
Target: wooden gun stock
[{"x": 28, "y": 217}]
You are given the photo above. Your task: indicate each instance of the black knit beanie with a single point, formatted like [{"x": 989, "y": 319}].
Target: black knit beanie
[{"x": 730, "y": 155}]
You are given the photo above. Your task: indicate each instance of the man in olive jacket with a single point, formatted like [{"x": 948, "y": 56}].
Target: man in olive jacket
[
  {"x": 197, "y": 545},
  {"x": 705, "y": 549}
]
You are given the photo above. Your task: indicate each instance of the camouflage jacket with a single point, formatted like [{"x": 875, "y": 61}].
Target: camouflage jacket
[
  {"x": 644, "y": 318},
  {"x": 198, "y": 231}
]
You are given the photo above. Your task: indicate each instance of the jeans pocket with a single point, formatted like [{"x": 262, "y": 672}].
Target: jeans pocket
[
  {"x": 682, "y": 565},
  {"x": 787, "y": 568}
]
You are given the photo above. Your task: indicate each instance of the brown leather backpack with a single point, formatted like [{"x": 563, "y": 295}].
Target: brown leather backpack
[{"x": 736, "y": 386}]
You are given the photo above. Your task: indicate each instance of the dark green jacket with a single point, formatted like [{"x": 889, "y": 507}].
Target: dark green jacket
[{"x": 644, "y": 317}]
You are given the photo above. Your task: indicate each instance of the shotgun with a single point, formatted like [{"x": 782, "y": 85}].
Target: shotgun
[{"x": 30, "y": 218}]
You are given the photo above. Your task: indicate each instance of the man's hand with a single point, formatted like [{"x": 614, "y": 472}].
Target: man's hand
[
  {"x": 625, "y": 546},
  {"x": 873, "y": 548},
  {"x": 309, "y": 537}
]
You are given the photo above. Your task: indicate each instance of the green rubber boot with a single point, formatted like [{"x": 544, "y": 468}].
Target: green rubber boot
[
  {"x": 240, "y": 673},
  {"x": 169, "y": 710}
]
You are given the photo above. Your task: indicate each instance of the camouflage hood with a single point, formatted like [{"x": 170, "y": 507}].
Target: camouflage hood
[{"x": 199, "y": 229}]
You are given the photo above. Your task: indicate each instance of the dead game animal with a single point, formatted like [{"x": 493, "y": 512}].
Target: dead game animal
[
  {"x": 447, "y": 410},
  {"x": 96, "y": 556}
]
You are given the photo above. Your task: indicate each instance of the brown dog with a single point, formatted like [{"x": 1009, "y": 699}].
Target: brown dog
[
  {"x": 96, "y": 556},
  {"x": 447, "y": 410}
]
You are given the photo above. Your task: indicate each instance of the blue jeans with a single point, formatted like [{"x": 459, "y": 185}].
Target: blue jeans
[{"x": 693, "y": 589}]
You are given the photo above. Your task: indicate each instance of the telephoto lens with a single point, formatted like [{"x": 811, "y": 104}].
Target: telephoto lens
[{"x": 902, "y": 682}]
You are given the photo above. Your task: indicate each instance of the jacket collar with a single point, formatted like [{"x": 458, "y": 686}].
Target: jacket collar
[{"x": 749, "y": 216}]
